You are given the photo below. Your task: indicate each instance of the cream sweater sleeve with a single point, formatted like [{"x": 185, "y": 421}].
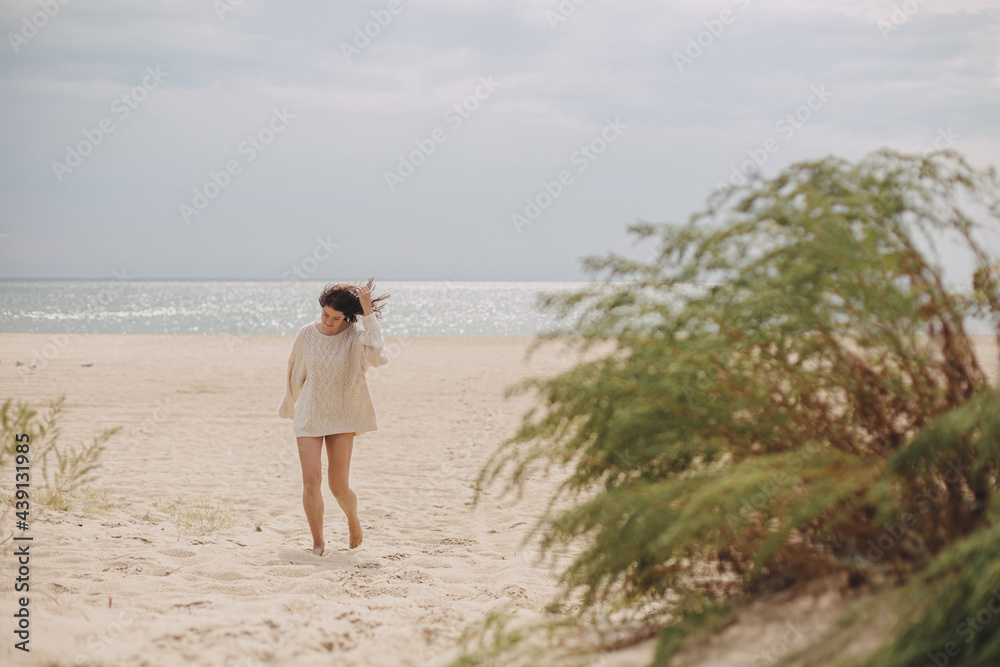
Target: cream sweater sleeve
[
  {"x": 295, "y": 379},
  {"x": 372, "y": 344}
]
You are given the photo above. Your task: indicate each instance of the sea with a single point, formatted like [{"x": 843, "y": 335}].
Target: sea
[
  {"x": 133, "y": 306},
  {"x": 248, "y": 307}
]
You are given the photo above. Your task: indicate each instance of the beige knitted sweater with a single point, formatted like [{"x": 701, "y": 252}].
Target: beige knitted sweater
[{"x": 326, "y": 391}]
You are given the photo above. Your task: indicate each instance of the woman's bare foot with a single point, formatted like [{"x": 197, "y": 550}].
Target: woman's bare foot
[
  {"x": 354, "y": 525},
  {"x": 318, "y": 549}
]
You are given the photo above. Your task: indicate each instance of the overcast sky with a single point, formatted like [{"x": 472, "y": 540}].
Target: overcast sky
[{"x": 337, "y": 140}]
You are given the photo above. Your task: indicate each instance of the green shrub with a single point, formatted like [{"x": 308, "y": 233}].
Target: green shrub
[
  {"x": 56, "y": 470},
  {"x": 790, "y": 383}
]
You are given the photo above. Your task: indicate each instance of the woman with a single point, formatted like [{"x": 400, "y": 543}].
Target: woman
[{"x": 327, "y": 397}]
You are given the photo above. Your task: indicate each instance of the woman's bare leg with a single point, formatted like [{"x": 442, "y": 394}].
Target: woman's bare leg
[
  {"x": 339, "y": 447},
  {"x": 310, "y": 456}
]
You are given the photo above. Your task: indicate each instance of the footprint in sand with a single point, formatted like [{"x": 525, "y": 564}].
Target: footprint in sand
[
  {"x": 513, "y": 591},
  {"x": 178, "y": 553},
  {"x": 396, "y": 556},
  {"x": 225, "y": 575}
]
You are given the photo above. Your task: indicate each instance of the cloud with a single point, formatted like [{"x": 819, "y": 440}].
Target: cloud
[{"x": 355, "y": 116}]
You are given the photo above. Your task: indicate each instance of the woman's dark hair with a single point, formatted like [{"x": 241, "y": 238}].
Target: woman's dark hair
[{"x": 344, "y": 298}]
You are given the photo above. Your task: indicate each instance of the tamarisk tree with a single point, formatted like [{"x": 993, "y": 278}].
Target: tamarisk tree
[{"x": 790, "y": 393}]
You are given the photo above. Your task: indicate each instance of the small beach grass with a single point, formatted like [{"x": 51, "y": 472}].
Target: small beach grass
[
  {"x": 93, "y": 500},
  {"x": 201, "y": 517},
  {"x": 54, "y": 470}
]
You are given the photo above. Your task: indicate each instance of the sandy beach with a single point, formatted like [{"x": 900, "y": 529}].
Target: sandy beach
[
  {"x": 127, "y": 585},
  {"x": 127, "y": 578}
]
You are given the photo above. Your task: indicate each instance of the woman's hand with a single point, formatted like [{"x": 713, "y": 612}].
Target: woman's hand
[{"x": 365, "y": 297}]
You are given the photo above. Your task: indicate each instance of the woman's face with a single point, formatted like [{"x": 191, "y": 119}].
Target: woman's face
[{"x": 333, "y": 321}]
